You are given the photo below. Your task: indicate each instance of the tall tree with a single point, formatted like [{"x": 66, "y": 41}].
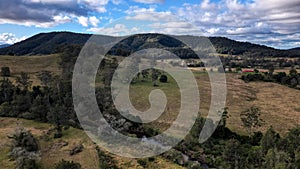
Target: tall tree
[
  {"x": 45, "y": 77},
  {"x": 23, "y": 81},
  {"x": 269, "y": 140},
  {"x": 232, "y": 154}
]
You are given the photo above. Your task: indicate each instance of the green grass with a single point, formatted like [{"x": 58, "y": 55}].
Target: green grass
[{"x": 139, "y": 95}]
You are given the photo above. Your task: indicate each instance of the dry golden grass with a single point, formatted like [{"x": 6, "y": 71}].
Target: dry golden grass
[
  {"x": 279, "y": 104},
  {"x": 52, "y": 152},
  {"x": 31, "y": 65}
]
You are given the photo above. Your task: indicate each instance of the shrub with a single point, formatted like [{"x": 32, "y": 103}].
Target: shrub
[
  {"x": 24, "y": 149},
  {"x": 163, "y": 79},
  {"x": 142, "y": 162},
  {"x": 24, "y": 139},
  {"x": 67, "y": 165},
  {"x": 77, "y": 149},
  {"x": 105, "y": 160},
  {"x": 5, "y": 71}
]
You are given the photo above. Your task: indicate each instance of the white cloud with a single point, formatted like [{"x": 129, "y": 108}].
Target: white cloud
[
  {"x": 94, "y": 21},
  {"x": 152, "y": 16},
  {"x": 136, "y": 9},
  {"x": 249, "y": 20},
  {"x": 116, "y": 30},
  {"x": 84, "y": 21},
  {"x": 9, "y": 38},
  {"x": 150, "y": 1}
]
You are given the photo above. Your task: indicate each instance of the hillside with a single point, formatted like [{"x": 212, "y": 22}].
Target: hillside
[
  {"x": 281, "y": 106},
  {"x": 295, "y": 50},
  {"x": 45, "y": 43},
  {"x": 4, "y": 45},
  {"x": 278, "y": 109},
  {"x": 50, "y": 43},
  {"x": 54, "y": 150}
]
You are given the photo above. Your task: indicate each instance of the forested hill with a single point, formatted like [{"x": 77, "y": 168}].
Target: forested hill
[
  {"x": 49, "y": 43},
  {"x": 295, "y": 49},
  {"x": 45, "y": 43},
  {"x": 227, "y": 46}
]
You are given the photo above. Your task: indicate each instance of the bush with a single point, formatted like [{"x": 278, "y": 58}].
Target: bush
[
  {"x": 57, "y": 134},
  {"x": 163, "y": 79},
  {"x": 24, "y": 149},
  {"x": 77, "y": 149},
  {"x": 105, "y": 160},
  {"x": 30, "y": 164},
  {"x": 142, "y": 162},
  {"x": 67, "y": 165},
  {"x": 5, "y": 71},
  {"x": 24, "y": 139}
]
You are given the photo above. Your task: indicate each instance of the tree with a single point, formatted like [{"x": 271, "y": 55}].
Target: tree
[
  {"x": 39, "y": 109},
  {"x": 23, "y": 81},
  {"x": 21, "y": 104},
  {"x": 292, "y": 142},
  {"x": 6, "y": 91},
  {"x": 163, "y": 78},
  {"x": 45, "y": 77},
  {"x": 5, "y": 71},
  {"x": 251, "y": 118},
  {"x": 271, "y": 70},
  {"x": 277, "y": 159},
  {"x": 293, "y": 72},
  {"x": 224, "y": 116},
  {"x": 269, "y": 140},
  {"x": 145, "y": 74},
  {"x": 154, "y": 75},
  {"x": 255, "y": 157},
  {"x": 232, "y": 153}
]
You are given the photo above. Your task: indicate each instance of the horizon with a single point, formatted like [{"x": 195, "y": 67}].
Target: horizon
[
  {"x": 270, "y": 23},
  {"x": 145, "y": 33}
]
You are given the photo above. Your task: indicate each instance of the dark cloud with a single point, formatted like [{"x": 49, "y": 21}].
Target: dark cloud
[{"x": 34, "y": 11}]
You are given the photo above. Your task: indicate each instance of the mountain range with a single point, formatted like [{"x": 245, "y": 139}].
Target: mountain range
[
  {"x": 4, "y": 45},
  {"x": 50, "y": 43}
]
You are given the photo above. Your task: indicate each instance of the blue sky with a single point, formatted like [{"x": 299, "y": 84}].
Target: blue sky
[{"x": 274, "y": 23}]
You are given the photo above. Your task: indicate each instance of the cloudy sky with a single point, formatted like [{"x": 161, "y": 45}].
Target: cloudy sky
[{"x": 274, "y": 23}]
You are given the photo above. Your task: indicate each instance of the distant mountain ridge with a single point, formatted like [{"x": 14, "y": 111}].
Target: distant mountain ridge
[
  {"x": 50, "y": 43},
  {"x": 295, "y": 49},
  {"x": 4, "y": 45}
]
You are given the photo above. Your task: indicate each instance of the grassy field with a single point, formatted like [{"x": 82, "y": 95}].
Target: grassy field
[
  {"x": 31, "y": 65},
  {"x": 278, "y": 104},
  {"x": 279, "y": 107}
]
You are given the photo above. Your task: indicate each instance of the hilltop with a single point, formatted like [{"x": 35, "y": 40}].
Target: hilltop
[{"x": 51, "y": 43}]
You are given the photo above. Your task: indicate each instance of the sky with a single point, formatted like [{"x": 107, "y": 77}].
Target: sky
[{"x": 273, "y": 23}]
